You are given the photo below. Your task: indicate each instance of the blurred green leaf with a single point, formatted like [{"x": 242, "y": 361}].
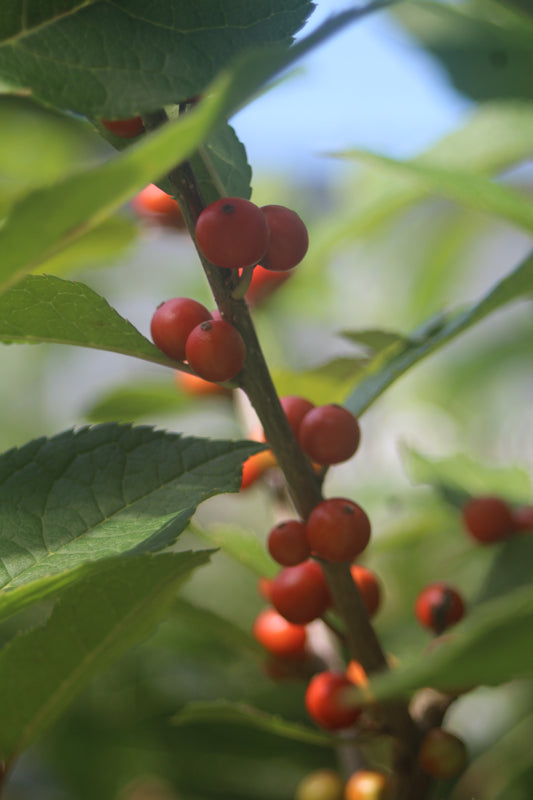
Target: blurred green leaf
[
  {"x": 240, "y": 714},
  {"x": 388, "y": 366},
  {"x": 130, "y": 402},
  {"x": 459, "y": 477},
  {"x": 43, "y": 308},
  {"x": 486, "y": 46},
  {"x": 325, "y": 383},
  {"x": 37, "y": 147},
  {"x": 492, "y": 645},
  {"x": 111, "y": 606},
  {"x": 221, "y": 161},
  {"x": 241, "y": 545},
  {"x": 96, "y": 492},
  {"x": 510, "y": 568},
  {"x": 464, "y": 187},
  {"x": 125, "y": 57},
  {"x": 97, "y": 247}
]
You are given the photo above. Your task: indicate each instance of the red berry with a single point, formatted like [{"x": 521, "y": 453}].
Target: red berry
[
  {"x": 300, "y": 593},
  {"x": 263, "y": 284},
  {"x": 329, "y": 434},
  {"x": 325, "y": 702},
  {"x": 488, "y": 519},
  {"x": 369, "y": 587},
  {"x": 288, "y": 238},
  {"x": 295, "y": 409},
  {"x": 442, "y": 754},
  {"x": 287, "y": 543},
  {"x": 438, "y": 606},
  {"x": 337, "y": 529},
  {"x": 367, "y": 785},
  {"x": 523, "y": 518},
  {"x": 215, "y": 350},
  {"x": 232, "y": 232},
  {"x": 155, "y": 204},
  {"x": 125, "y": 128},
  {"x": 172, "y": 323},
  {"x": 278, "y": 636},
  {"x": 321, "y": 784}
]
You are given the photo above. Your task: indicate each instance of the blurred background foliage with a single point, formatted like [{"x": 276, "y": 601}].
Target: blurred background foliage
[{"x": 461, "y": 421}]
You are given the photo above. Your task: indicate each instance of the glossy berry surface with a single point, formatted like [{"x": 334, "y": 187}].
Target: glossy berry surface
[
  {"x": 322, "y": 784},
  {"x": 172, "y": 323},
  {"x": 278, "y": 636},
  {"x": 287, "y": 543},
  {"x": 295, "y": 408},
  {"x": 488, "y": 519},
  {"x": 263, "y": 285},
  {"x": 215, "y": 350},
  {"x": 288, "y": 241},
  {"x": 369, "y": 587},
  {"x": 367, "y": 785},
  {"x": 326, "y": 703},
  {"x": 232, "y": 233},
  {"x": 124, "y": 128},
  {"x": 337, "y": 529},
  {"x": 155, "y": 204},
  {"x": 442, "y": 754},
  {"x": 438, "y": 606},
  {"x": 329, "y": 434},
  {"x": 300, "y": 593}
]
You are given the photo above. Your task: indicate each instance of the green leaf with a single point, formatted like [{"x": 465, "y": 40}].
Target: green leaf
[
  {"x": 492, "y": 645},
  {"x": 81, "y": 202},
  {"x": 96, "y": 492},
  {"x": 495, "y": 136},
  {"x": 485, "y": 46},
  {"x": 130, "y": 402},
  {"x": 241, "y": 714},
  {"x": 37, "y": 147},
  {"x": 325, "y": 383},
  {"x": 459, "y": 477},
  {"x": 222, "y": 156},
  {"x": 43, "y": 308},
  {"x": 390, "y": 365},
  {"x": 473, "y": 191},
  {"x": 111, "y": 606},
  {"x": 97, "y": 247},
  {"x": 374, "y": 340},
  {"x": 20, "y": 19},
  {"x": 510, "y": 568},
  {"x": 127, "y": 56},
  {"x": 241, "y": 545}
]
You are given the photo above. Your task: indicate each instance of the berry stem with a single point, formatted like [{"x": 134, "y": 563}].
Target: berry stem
[{"x": 303, "y": 483}]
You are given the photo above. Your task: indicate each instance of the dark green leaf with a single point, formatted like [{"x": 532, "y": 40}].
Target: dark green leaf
[
  {"x": 111, "y": 605},
  {"x": 241, "y": 545},
  {"x": 114, "y": 59},
  {"x": 96, "y": 492}
]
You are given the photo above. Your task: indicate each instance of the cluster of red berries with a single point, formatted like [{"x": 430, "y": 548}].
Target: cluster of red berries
[{"x": 185, "y": 330}]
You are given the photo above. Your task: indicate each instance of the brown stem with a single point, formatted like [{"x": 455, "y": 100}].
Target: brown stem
[{"x": 303, "y": 483}]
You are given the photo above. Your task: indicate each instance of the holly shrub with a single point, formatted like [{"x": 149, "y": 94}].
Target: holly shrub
[{"x": 315, "y": 383}]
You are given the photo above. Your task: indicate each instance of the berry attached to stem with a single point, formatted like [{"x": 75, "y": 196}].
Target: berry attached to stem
[
  {"x": 124, "y": 128},
  {"x": 172, "y": 323},
  {"x": 232, "y": 233},
  {"x": 325, "y": 701},
  {"x": 488, "y": 519},
  {"x": 287, "y": 543},
  {"x": 215, "y": 350},
  {"x": 278, "y": 636},
  {"x": 329, "y": 434},
  {"x": 442, "y": 754},
  {"x": 288, "y": 241},
  {"x": 337, "y": 529},
  {"x": 300, "y": 593},
  {"x": 369, "y": 587}
]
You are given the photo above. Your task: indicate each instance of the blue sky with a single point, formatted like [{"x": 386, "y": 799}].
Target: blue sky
[{"x": 370, "y": 86}]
